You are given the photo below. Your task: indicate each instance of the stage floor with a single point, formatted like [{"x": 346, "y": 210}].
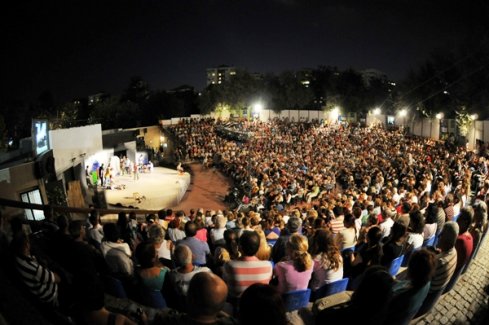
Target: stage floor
[{"x": 162, "y": 188}]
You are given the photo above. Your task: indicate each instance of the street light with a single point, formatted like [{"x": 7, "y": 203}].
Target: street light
[
  {"x": 403, "y": 112},
  {"x": 257, "y": 108},
  {"x": 474, "y": 117},
  {"x": 377, "y": 111},
  {"x": 334, "y": 114},
  {"x": 439, "y": 116}
]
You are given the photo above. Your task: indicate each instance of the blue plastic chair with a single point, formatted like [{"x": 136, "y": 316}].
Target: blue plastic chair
[
  {"x": 430, "y": 241},
  {"x": 114, "y": 287},
  {"x": 330, "y": 289},
  {"x": 455, "y": 217},
  {"x": 271, "y": 242},
  {"x": 396, "y": 265},
  {"x": 152, "y": 298},
  {"x": 297, "y": 299}
]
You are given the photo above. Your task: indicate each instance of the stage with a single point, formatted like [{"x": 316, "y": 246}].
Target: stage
[{"x": 158, "y": 189}]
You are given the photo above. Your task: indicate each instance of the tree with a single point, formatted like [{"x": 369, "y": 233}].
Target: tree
[
  {"x": 112, "y": 113},
  {"x": 137, "y": 91}
]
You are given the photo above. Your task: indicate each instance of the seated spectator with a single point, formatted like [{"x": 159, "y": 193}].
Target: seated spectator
[
  {"x": 150, "y": 273},
  {"x": 83, "y": 257},
  {"x": 206, "y": 298},
  {"x": 369, "y": 254},
  {"x": 164, "y": 248},
  {"x": 369, "y": 302},
  {"x": 265, "y": 251},
  {"x": 217, "y": 233},
  {"x": 41, "y": 282},
  {"x": 248, "y": 269},
  {"x": 328, "y": 263},
  {"x": 347, "y": 238},
  {"x": 180, "y": 277},
  {"x": 293, "y": 226},
  {"x": 261, "y": 304},
  {"x": 96, "y": 233},
  {"x": 175, "y": 230},
  {"x": 294, "y": 273},
  {"x": 465, "y": 243},
  {"x": 479, "y": 224},
  {"x": 200, "y": 249},
  {"x": 446, "y": 258},
  {"x": 395, "y": 245},
  {"x": 90, "y": 308},
  {"x": 201, "y": 229},
  {"x": 388, "y": 222},
  {"x": 271, "y": 231},
  {"x": 117, "y": 254},
  {"x": 410, "y": 294},
  {"x": 430, "y": 227},
  {"x": 415, "y": 231}
]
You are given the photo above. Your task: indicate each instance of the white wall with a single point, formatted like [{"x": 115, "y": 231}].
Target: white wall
[{"x": 71, "y": 146}]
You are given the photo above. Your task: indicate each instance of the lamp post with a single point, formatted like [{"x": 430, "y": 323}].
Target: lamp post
[{"x": 256, "y": 110}]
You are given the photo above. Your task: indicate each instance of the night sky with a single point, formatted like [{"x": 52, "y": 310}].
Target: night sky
[{"x": 77, "y": 48}]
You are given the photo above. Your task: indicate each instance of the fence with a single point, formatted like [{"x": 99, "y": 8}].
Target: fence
[{"x": 433, "y": 128}]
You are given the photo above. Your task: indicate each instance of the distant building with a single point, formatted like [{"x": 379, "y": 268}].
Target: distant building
[
  {"x": 97, "y": 98},
  {"x": 304, "y": 76},
  {"x": 216, "y": 76},
  {"x": 371, "y": 74}
]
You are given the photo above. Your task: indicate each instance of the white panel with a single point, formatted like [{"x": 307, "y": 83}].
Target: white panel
[
  {"x": 75, "y": 143},
  {"x": 294, "y": 115},
  {"x": 304, "y": 115}
]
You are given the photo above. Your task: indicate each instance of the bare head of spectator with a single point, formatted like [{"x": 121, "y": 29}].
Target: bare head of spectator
[
  {"x": 294, "y": 224},
  {"x": 448, "y": 236},
  {"x": 249, "y": 243},
  {"x": 206, "y": 297},
  {"x": 261, "y": 304},
  {"x": 146, "y": 255},
  {"x": 182, "y": 256},
  {"x": 421, "y": 267},
  {"x": 190, "y": 229},
  {"x": 77, "y": 230},
  {"x": 111, "y": 232},
  {"x": 465, "y": 219},
  {"x": 416, "y": 222}
]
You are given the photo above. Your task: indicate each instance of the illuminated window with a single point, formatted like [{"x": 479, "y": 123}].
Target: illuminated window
[{"x": 33, "y": 197}]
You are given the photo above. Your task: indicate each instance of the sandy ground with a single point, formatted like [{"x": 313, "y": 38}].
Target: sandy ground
[
  {"x": 161, "y": 189},
  {"x": 152, "y": 191}
]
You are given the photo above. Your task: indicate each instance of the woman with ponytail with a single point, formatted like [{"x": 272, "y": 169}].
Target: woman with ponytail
[{"x": 294, "y": 272}]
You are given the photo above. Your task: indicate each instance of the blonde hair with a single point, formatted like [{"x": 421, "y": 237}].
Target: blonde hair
[{"x": 298, "y": 247}]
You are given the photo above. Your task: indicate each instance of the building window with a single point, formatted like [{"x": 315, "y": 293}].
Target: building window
[{"x": 34, "y": 197}]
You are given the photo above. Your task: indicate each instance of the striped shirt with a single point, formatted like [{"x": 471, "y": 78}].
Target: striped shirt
[
  {"x": 446, "y": 264},
  {"x": 240, "y": 274},
  {"x": 39, "y": 280}
]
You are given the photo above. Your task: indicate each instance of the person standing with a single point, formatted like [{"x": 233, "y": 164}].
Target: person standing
[
  {"x": 135, "y": 170},
  {"x": 101, "y": 174}
]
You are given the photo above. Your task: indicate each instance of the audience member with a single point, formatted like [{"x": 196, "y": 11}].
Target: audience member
[
  {"x": 200, "y": 250},
  {"x": 248, "y": 269},
  {"x": 294, "y": 273}
]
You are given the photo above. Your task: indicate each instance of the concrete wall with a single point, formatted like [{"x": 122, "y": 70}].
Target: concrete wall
[
  {"x": 71, "y": 146},
  {"x": 16, "y": 180}
]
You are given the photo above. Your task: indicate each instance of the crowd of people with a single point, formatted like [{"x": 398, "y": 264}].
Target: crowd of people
[{"x": 331, "y": 202}]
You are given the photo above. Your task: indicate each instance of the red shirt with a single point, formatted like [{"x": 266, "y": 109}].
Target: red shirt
[{"x": 464, "y": 247}]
